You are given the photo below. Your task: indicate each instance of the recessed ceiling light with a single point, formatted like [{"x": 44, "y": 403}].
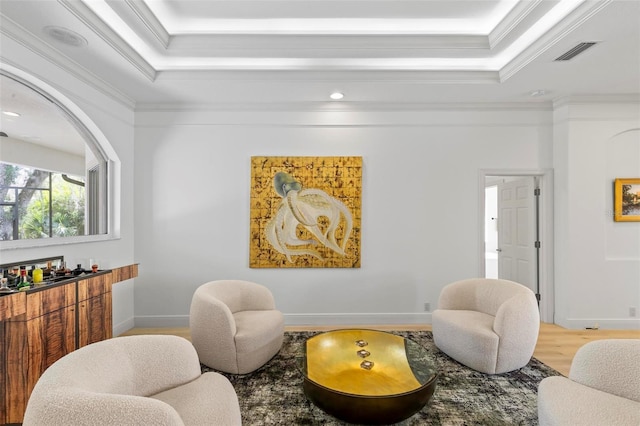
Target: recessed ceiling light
[
  {"x": 336, "y": 96},
  {"x": 65, "y": 35},
  {"x": 11, "y": 113}
]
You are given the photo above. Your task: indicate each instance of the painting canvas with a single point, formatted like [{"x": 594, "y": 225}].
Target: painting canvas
[
  {"x": 627, "y": 200},
  {"x": 305, "y": 212}
]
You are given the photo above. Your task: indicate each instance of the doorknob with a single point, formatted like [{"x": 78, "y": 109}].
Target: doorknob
[{"x": 498, "y": 249}]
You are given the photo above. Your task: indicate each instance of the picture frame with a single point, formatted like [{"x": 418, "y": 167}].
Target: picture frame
[
  {"x": 626, "y": 200},
  {"x": 305, "y": 212}
]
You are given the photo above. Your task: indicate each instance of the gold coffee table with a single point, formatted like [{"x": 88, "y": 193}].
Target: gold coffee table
[{"x": 367, "y": 376}]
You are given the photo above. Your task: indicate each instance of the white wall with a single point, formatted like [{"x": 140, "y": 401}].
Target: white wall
[
  {"x": 115, "y": 121},
  {"x": 419, "y": 204},
  {"x": 189, "y": 172},
  {"x": 597, "y": 264}
]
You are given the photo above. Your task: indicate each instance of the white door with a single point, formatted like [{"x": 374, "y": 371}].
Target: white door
[{"x": 516, "y": 231}]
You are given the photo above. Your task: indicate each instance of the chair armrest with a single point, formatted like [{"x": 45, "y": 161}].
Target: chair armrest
[
  {"x": 518, "y": 317},
  {"x": 562, "y": 401},
  {"x": 610, "y": 365},
  {"x": 150, "y": 355},
  {"x": 258, "y": 298},
  {"x": 213, "y": 313},
  {"x": 72, "y": 406},
  {"x": 458, "y": 295},
  {"x": 517, "y": 324}
]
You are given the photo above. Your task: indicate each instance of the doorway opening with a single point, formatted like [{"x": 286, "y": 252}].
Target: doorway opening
[
  {"x": 491, "y": 231},
  {"x": 511, "y": 229},
  {"x": 516, "y": 231}
]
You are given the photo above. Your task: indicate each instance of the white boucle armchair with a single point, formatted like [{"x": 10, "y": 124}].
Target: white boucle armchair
[
  {"x": 603, "y": 387},
  {"x": 133, "y": 380},
  {"x": 235, "y": 326},
  {"x": 490, "y": 325}
]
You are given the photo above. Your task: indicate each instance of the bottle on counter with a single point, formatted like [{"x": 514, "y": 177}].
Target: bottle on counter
[
  {"x": 4, "y": 280},
  {"x": 47, "y": 271},
  {"x": 24, "y": 279},
  {"x": 14, "y": 276},
  {"x": 78, "y": 270},
  {"x": 37, "y": 275},
  {"x": 63, "y": 269}
]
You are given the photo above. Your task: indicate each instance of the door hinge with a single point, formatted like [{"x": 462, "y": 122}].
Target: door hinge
[
  {"x": 537, "y": 244},
  {"x": 536, "y": 192}
]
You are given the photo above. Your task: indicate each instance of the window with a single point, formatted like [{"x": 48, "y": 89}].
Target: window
[
  {"x": 54, "y": 174},
  {"x": 41, "y": 204}
]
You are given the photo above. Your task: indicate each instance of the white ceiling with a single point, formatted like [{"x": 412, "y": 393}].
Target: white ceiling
[
  {"x": 40, "y": 122},
  {"x": 243, "y": 53}
]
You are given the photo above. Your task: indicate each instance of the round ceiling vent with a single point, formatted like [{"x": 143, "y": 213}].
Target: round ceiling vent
[{"x": 66, "y": 36}]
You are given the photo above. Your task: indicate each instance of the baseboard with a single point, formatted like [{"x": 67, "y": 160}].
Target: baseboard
[
  {"x": 123, "y": 326},
  {"x": 161, "y": 321},
  {"x": 320, "y": 319},
  {"x": 157, "y": 321},
  {"x": 603, "y": 323},
  {"x": 358, "y": 319}
]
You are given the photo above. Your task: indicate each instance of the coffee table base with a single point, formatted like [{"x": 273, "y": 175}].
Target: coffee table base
[{"x": 369, "y": 409}]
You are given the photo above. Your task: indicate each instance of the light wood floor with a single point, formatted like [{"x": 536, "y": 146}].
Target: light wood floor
[{"x": 556, "y": 345}]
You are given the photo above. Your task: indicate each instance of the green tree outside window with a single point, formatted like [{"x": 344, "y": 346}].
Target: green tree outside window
[{"x": 40, "y": 204}]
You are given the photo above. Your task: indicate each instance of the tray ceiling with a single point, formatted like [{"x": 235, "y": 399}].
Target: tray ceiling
[{"x": 151, "y": 52}]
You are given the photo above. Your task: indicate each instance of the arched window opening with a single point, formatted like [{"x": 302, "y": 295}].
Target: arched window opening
[{"x": 54, "y": 174}]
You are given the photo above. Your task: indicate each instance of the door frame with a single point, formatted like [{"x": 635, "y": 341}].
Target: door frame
[{"x": 545, "y": 218}]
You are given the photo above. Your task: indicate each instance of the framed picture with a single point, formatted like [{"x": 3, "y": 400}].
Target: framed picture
[
  {"x": 305, "y": 212},
  {"x": 627, "y": 200}
]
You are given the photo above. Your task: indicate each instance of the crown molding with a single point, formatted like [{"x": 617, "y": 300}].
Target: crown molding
[
  {"x": 633, "y": 99},
  {"x": 549, "y": 39},
  {"x": 522, "y": 10},
  {"x": 369, "y": 44},
  {"x": 150, "y": 21},
  {"x": 598, "y": 108},
  {"x": 92, "y": 21},
  {"x": 319, "y": 75},
  {"x": 329, "y": 106},
  {"x": 24, "y": 38}
]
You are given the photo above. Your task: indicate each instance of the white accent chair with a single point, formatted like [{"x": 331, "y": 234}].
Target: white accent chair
[
  {"x": 490, "y": 325},
  {"x": 603, "y": 387},
  {"x": 134, "y": 380},
  {"x": 235, "y": 326}
]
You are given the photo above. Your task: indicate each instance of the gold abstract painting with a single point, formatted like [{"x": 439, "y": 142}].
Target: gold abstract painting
[{"x": 305, "y": 212}]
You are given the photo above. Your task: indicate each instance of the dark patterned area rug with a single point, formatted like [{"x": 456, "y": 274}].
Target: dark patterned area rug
[{"x": 273, "y": 394}]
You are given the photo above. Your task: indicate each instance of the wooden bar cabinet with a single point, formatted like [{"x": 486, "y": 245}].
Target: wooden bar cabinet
[{"x": 41, "y": 325}]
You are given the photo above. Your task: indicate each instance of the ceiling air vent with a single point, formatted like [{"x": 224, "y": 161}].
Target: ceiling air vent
[{"x": 575, "y": 51}]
